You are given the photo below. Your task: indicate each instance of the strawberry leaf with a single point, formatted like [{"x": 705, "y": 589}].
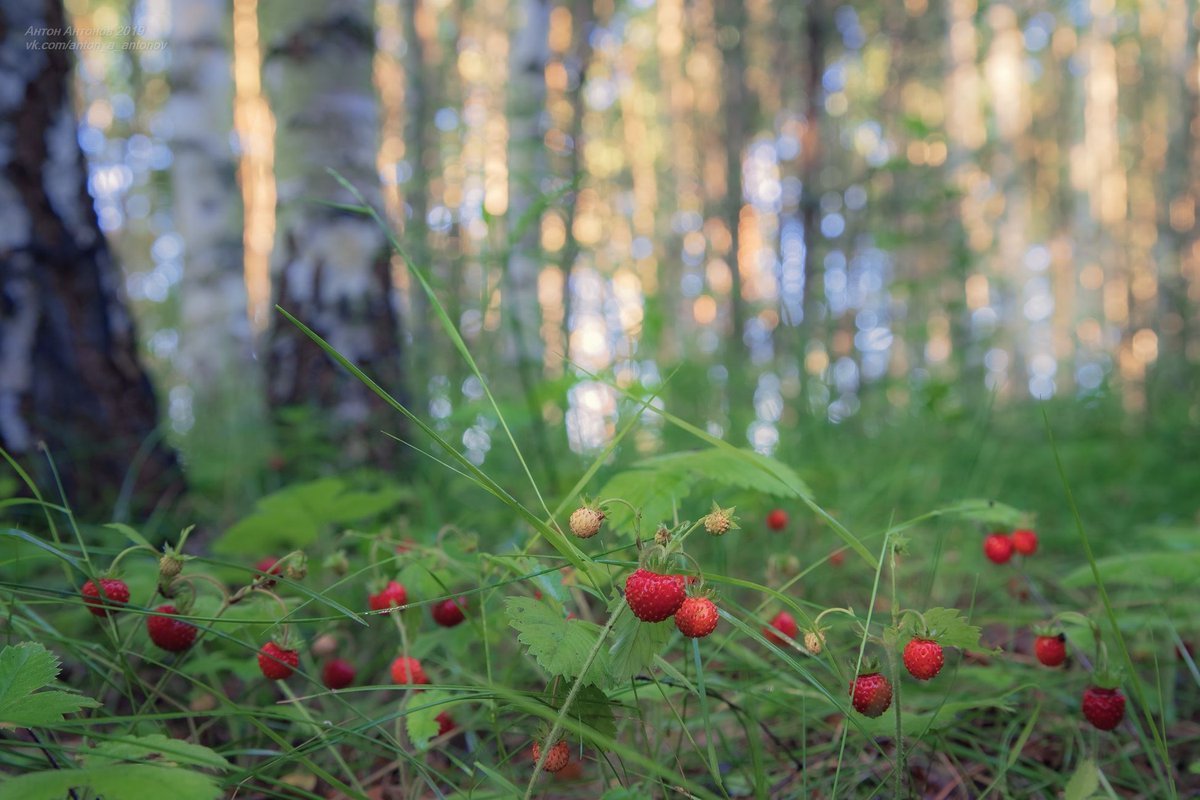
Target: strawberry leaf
[
  {"x": 561, "y": 646},
  {"x": 114, "y": 781},
  {"x": 24, "y": 669},
  {"x": 635, "y": 646},
  {"x": 422, "y": 716},
  {"x": 162, "y": 750},
  {"x": 590, "y": 707},
  {"x": 949, "y": 628}
]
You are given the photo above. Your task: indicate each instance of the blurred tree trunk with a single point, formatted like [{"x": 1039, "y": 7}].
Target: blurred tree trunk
[
  {"x": 331, "y": 267},
  {"x": 214, "y": 327},
  {"x": 527, "y": 168},
  {"x": 817, "y": 24},
  {"x": 69, "y": 369}
]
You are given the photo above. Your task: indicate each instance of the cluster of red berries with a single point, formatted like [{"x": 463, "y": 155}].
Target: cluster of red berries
[
  {"x": 653, "y": 597},
  {"x": 999, "y": 546},
  {"x": 871, "y": 691},
  {"x": 1103, "y": 705}
]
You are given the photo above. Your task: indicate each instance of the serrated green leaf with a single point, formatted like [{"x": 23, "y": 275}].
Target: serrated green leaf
[
  {"x": 986, "y": 512},
  {"x": 635, "y": 646},
  {"x": 744, "y": 469},
  {"x": 24, "y": 669},
  {"x": 655, "y": 483},
  {"x": 951, "y": 629},
  {"x": 162, "y": 749},
  {"x": 1084, "y": 783},
  {"x": 591, "y": 707},
  {"x": 561, "y": 646},
  {"x": 654, "y": 493},
  {"x": 118, "y": 782},
  {"x": 421, "y": 720},
  {"x": 293, "y": 517}
]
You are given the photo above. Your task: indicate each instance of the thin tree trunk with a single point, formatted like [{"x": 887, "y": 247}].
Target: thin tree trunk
[
  {"x": 69, "y": 369},
  {"x": 816, "y": 28},
  {"x": 214, "y": 327},
  {"x": 527, "y": 168},
  {"x": 330, "y": 266}
]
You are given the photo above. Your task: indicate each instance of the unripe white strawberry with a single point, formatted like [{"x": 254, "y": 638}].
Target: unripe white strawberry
[{"x": 585, "y": 521}]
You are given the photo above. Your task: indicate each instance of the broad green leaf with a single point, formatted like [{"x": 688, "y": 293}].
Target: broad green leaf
[
  {"x": 951, "y": 629},
  {"x": 24, "y": 669},
  {"x": 561, "y": 646},
  {"x": 654, "y": 483},
  {"x": 423, "y": 711},
  {"x": 653, "y": 492},
  {"x": 294, "y": 517},
  {"x": 591, "y": 707},
  {"x": 155, "y": 747},
  {"x": 635, "y": 645},
  {"x": 1084, "y": 783},
  {"x": 987, "y": 512},
  {"x": 741, "y": 468},
  {"x": 116, "y": 782}
]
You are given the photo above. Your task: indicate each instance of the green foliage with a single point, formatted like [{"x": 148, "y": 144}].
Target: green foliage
[
  {"x": 24, "y": 669},
  {"x": 560, "y": 646},
  {"x": 635, "y": 644},
  {"x": 126, "y": 781},
  {"x": 295, "y": 516},
  {"x": 951, "y": 629},
  {"x": 656, "y": 485},
  {"x": 1084, "y": 783},
  {"x": 987, "y": 512},
  {"x": 421, "y": 719},
  {"x": 590, "y": 707}
]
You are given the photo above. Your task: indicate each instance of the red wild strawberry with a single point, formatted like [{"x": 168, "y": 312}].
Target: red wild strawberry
[
  {"x": 998, "y": 547},
  {"x": 1104, "y": 708},
  {"x": 169, "y": 632},
  {"x": 923, "y": 658},
  {"x": 449, "y": 612},
  {"x": 871, "y": 694},
  {"x": 783, "y": 623},
  {"x": 338, "y": 673},
  {"x": 556, "y": 759},
  {"x": 277, "y": 663},
  {"x": 406, "y": 670},
  {"x": 654, "y": 597},
  {"x": 445, "y": 723},
  {"x": 777, "y": 520},
  {"x": 1025, "y": 542},
  {"x": 115, "y": 593},
  {"x": 697, "y": 617},
  {"x": 389, "y": 596},
  {"x": 1051, "y": 650}
]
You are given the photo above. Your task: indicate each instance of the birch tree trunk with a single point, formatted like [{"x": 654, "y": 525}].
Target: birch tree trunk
[
  {"x": 69, "y": 369},
  {"x": 215, "y": 332},
  {"x": 527, "y": 167},
  {"x": 330, "y": 267}
]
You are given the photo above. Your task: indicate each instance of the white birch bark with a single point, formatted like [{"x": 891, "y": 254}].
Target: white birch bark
[{"x": 330, "y": 267}]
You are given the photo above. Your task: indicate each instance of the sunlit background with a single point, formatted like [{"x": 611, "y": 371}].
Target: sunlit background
[{"x": 815, "y": 205}]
